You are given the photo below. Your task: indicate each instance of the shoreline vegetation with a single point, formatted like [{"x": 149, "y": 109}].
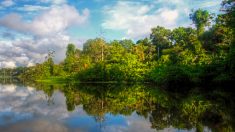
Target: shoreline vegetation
[{"x": 179, "y": 57}]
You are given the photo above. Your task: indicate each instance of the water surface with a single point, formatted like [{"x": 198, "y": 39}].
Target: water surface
[{"x": 111, "y": 108}]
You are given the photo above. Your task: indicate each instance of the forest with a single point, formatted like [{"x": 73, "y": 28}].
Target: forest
[{"x": 200, "y": 54}]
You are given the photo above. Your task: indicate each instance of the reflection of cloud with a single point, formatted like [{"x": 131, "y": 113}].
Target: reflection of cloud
[
  {"x": 36, "y": 126},
  {"x": 7, "y": 118},
  {"x": 27, "y": 100},
  {"x": 26, "y": 109},
  {"x": 7, "y": 88},
  {"x": 135, "y": 124}
]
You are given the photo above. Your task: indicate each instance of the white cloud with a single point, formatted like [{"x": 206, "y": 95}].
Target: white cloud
[
  {"x": 58, "y": 1},
  {"x": 169, "y": 16},
  {"x": 8, "y": 64},
  {"x": 54, "y": 1},
  {"x": 137, "y": 19},
  {"x": 7, "y": 3},
  {"x": 32, "y": 8},
  {"x": 47, "y": 31},
  {"x": 53, "y": 21},
  {"x": 27, "y": 52}
]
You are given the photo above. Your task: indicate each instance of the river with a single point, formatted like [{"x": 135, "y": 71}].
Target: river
[{"x": 112, "y": 108}]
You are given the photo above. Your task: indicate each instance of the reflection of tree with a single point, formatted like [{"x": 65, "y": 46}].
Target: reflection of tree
[
  {"x": 194, "y": 107},
  {"x": 222, "y": 117},
  {"x": 49, "y": 92},
  {"x": 163, "y": 109},
  {"x": 70, "y": 97},
  {"x": 159, "y": 118}
]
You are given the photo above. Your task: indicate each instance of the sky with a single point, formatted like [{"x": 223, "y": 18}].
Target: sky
[{"x": 31, "y": 28}]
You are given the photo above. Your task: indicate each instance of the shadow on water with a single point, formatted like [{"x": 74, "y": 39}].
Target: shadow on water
[{"x": 191, "y": 111}]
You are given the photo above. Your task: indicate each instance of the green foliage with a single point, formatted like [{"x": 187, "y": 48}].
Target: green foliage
[
  {"x": 95, "y": 73},
  {"x": 184, "y": 37},
  {"x": 70, "y": 58},
  {"x": 163, "y": 109},
  {"x": 95, "y": 48},
  {"x": 201, "y": 19},
  {"x": 127, "y": 44},
  {"x": 71, "y": 50},
  {"x": 161, "y": 37},
  {"x": 168, "y": 57},
  {"x": 194, "y": 107},
  {"x": 170, "y": 75}
]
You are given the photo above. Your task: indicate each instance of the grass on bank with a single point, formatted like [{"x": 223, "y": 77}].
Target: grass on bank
[{"x": 55, "y": 80}]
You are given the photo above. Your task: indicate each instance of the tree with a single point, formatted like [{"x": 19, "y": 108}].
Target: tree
[
  {"x": 71, "y": 50},
  {"x": 228, "y": 19},
  {"x": 115, "y": 52},
  {"x": 145, "y": 50},
  {"x": 218, "y": 38},
  {"x": 201, "y": 19},
  {"x": 127, "y": 44},
  {"x": 50, "y": 63},
  {"x": 183, "y": 37},
  {"x": 161, "y": 38},
  {"x": 70, "y": 58},
  {"x": 95, "y": 48}
]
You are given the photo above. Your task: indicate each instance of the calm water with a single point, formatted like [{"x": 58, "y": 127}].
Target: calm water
[{"x": 111, "y": 108}]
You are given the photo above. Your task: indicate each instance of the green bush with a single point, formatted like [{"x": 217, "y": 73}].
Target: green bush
[
  {"x": 94, "y": 73},
  {"x": 169, "y": 75}
]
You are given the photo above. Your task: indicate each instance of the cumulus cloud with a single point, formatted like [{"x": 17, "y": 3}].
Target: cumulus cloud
[
  {"x": 27, "y": 52},
  {"x": 53, "y": 21},
  {"x": 137, "y": 19},
  {"x": 8, "y": 64},
  {"x": 45, "y": 32}
]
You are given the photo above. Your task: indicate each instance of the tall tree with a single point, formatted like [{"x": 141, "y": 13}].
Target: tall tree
[
  {"x": 70, "y": 58},
  {"x": 95, "y": 48},
  {"x": 50, "y": 62},
  {"x": 127, "y": 44},
  {"x": 149, "y": 50},
  {"x": 161, "y": 37},
  {"x": 228, "y": 6},
  {"x": 71, "y": 50},
  {"x": 201, "y": 19}
]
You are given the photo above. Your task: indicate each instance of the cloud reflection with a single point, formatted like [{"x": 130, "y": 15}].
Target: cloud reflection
[{"x": 27, "y": 109}]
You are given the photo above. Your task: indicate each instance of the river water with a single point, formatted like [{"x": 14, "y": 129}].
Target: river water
[{"x": 112, "y": 108}]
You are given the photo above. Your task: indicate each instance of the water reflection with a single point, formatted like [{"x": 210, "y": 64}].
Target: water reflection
[{"x": 109, "y": 107}]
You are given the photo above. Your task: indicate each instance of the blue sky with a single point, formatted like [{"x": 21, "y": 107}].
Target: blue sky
[{"x": 29, "y": 28}]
